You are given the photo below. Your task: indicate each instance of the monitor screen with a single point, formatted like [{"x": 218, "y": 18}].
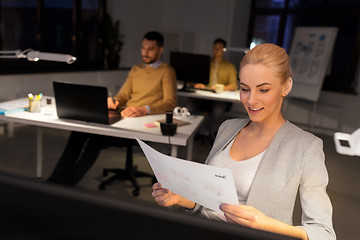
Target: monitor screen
[
  {"x": 52, "y": 211},
  {"x": 190, "y": 67}
]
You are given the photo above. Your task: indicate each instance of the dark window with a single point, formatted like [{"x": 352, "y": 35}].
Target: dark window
[
  {"x": 269, "y": 4},
  {"x": 18, "y": 24},
  {"x": 266, "y": 28},
  {"x": 58, "y": 27},
  {"x": 67, "y": 27},
  {"x": 275, "y": 21}
]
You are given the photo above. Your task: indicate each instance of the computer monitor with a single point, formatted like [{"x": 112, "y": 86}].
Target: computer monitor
[
  {"x": 191, "y": 67},
  {"x": 33, "y": 209}
]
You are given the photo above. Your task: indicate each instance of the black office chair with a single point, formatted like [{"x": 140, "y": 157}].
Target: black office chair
[{"x": 129, "y": 173}]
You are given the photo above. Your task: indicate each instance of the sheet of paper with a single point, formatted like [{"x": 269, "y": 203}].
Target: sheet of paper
[
  {"x": 206, "y": 185},
  {"x": 14, "y": 104}
]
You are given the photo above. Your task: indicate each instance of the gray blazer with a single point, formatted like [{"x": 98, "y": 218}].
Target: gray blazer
[{"x": 293, "y": 161}]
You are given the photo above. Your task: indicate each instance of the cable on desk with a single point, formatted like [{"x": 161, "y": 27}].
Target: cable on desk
[{"x": 169, "y": 141}]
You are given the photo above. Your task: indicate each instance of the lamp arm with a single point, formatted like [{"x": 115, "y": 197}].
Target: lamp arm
[{"x": 32, "y": 55}]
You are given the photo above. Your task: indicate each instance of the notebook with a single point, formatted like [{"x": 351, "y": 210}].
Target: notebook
[{"x": 83, "y": 102}]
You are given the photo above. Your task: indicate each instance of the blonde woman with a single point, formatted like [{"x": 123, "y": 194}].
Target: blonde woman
[{"x": 271, "y": 159}]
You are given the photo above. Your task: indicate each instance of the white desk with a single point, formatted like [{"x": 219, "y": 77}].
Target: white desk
[
  {"x": 126, "y": 128},
  {"x": 226, "y": 96}
]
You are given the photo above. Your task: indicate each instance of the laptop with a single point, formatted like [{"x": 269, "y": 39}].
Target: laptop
[{"x": 83, "y": 102}]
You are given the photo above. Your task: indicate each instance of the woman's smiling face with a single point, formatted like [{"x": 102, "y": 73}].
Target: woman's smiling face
[{"x": 261, "y": 92}]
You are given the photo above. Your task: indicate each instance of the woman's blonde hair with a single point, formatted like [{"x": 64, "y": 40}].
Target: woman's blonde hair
[{"x": 272, "y": 56}]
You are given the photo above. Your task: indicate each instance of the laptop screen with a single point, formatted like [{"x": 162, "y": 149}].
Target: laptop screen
[{"x": 81, "y": 102}]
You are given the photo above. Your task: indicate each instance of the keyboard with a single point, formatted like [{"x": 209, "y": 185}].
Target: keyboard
[
  {"x": 205, "y": 90},
  {"x": 197, "y": 89}
]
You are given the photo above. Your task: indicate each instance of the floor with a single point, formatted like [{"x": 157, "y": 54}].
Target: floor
[{"x": 18, "y": 157}]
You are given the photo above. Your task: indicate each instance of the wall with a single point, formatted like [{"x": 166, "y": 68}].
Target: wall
[
  {"x": 187, "y": 25},
  {"x": 19, "y": 85}
]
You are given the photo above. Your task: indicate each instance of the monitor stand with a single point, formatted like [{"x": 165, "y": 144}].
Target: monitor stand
[{"x": 185, "y": 88}]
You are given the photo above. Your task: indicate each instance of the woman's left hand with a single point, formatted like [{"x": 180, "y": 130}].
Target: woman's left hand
[{"x": 245, "y": 215}]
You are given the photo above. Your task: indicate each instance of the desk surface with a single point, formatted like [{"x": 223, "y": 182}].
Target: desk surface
[
  {"x": 226, "y": 96},
  {"x": 126, "y": 128}
]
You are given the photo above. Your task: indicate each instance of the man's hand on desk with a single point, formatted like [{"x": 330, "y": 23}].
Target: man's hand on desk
[
  {"x": 129, "y": 111},
  {"x": 228, "y": 87},
  {"x": 202, "y": 86},
  {"x": 134, "y": 111},
  {"x": 199, "y": 86}
]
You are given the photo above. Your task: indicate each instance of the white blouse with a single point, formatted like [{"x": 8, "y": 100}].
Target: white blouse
[{"x": 243, "y": 173}]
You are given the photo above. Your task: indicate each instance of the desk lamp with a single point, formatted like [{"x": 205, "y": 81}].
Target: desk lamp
[
  {"x": 32, "y": 55},
  {"x": 236, "y": 49},
  {"x": 348, "y": 144}
]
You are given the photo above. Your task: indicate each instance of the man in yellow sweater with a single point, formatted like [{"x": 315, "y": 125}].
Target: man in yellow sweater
[
  {"x": 221, "y": 71},
  {"x": 149, "y": 89},
  {"x": 151, "y": 86}
]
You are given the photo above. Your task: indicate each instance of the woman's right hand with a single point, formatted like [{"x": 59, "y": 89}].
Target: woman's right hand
[{"x": 164, "y": 197}]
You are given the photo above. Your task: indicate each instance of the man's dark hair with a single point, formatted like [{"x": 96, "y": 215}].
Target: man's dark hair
[
  {"x": 220, "y": 40},
  {"x": 155, "y": 36}
]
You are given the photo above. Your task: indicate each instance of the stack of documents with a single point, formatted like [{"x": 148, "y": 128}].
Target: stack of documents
[
  {"x": 206, "y": 185},
  {"x": 13, "y": 106}
]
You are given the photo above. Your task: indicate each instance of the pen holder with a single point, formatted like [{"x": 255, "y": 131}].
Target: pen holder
[{"x": 34, "y": 105}]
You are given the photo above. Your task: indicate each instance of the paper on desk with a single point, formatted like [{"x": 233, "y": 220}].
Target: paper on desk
[
  {"x": 206, "y": 185},
  {"x": 14, "y": 104}
]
